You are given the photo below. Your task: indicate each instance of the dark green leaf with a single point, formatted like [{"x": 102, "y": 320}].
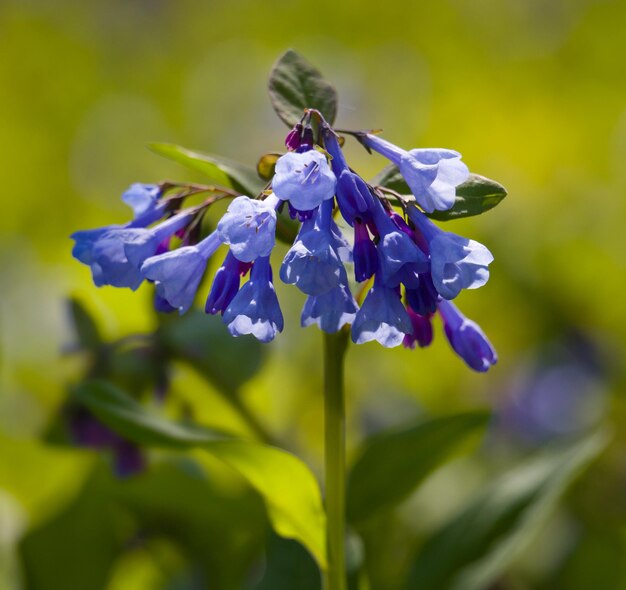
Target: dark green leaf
[
  {"x": 124, "y": 415},
  {"x": 221, "y": 171},
  {"x": 288, "y": 487},
  {"x": 266, "y": 165},
  {"x": 478, "y": 545},
  {"x": 393, "y": 464},
  {"x": 204, "y": 342},
  {"x": 475, "y": 196},
  {"x": 76, "y": 549},
  {"x": 87, "y": 332},
  {"x": 296, "y": 85}
]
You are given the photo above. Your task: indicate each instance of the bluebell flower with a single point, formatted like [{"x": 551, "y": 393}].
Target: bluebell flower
[
  {"x": 177, "y": 274},
  {"x": 382, "y": 317},
  {"x": 142, "y": 198},
  {"x": 466, "y": 338},
  {"x": 365, "y": 255},
  {"x": 340, "y": 244},
  {"x": 432, "y": 174},
  {"x": 399, "y": 257},
  {"x": 225, "y": 284},
  {"x": 312, "y": 263},
  {"x": 331, "y": 310},
  {"x": 456, "y": 263},
  {"x": 304, "y": 179},
  {"x": 249, "y": 227},
  {"x": 255, "y": 309},
  {"x": 422, "y": 334},
  {"x": 140, "y": 244}
]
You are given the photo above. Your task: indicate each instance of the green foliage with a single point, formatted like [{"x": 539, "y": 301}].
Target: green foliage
[
  {"x": 478, "y": 544},
  {"x": 204, "y": 342},
  {"x": 220, "y": 170},
  {"x": 393, "y": 464},
  {"x": 473, "y": 197},
  {"x": 87, "y": 331},
  {"x": 296, "y": 85},
  {"x": 288, "y": 487}
]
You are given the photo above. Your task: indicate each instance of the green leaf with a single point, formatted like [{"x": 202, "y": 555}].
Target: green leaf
[
  {"x": 288, "y": 487},
  {"x": 204, "y": 342},
  {"x": 478, "y": 545},
  {"x": 392, "y": 464},
  {"x": 473, "y": 197},
  {"x": 295, "y": 85},
  {"x": 266, "y": 165},
  {"x": 76, "y": 549},
  {"x": 221, "y": 171},
  {"x": 87, "y": 332}
]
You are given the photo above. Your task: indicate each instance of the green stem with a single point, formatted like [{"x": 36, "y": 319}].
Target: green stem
[{"x": 335, "y": 458}]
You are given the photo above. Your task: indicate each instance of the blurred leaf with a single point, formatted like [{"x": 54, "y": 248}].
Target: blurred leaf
[
  {"x": 204, "y": 342},
  {"x": 266, "y": 165},
  {"x": 290, "y": 491},
  {"x": 295, "y": 85},
  {"x": 392, "y": 464},
  {"x": 288, "y": 566},
  {"x": 477, "y": 545},
  {"x": 220, "y": 170},
  {"x": 473, "y": 197},
  {"x": 87, "y": 332},
  {"x": 125, "y": 416},
  {"x": 76, "y": 549}
]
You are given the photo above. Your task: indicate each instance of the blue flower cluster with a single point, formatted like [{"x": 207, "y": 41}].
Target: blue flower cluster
[{"x": 413, "y": 268}]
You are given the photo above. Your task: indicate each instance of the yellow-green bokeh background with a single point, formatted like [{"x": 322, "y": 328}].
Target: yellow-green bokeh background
[{"x": 532, "y": 93}]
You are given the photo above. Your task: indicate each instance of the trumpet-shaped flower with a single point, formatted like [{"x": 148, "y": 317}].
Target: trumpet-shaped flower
[
  {"x": 422, "y": 335},
  {"x": 255, "y": 309},
  {"x": 466, "y": 338},
  {"x": 304, "y": 179},
  {"x": 432, "y": 174},
  {"x": 456, "y": 263},
  {"x": 249, "y": 227},
  {"x": 142, "y": 198},
  {"x": 177, "y": 274},
  {"x": 225, "y": 284}
]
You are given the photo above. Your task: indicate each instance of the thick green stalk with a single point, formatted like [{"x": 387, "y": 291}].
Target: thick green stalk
[{"x": 335, "y": 458}]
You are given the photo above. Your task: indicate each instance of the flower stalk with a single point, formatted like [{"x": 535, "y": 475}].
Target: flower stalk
[{"x": 335, "y": 346}]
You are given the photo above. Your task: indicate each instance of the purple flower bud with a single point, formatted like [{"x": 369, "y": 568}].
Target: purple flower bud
[
  {"x": 292, "y": 141},
  {"x": 466, "y": 338},
  {"x": 225, "y": 284},
  {"x": 422, "y": 331},
  {"x": 365, "y": 255}
]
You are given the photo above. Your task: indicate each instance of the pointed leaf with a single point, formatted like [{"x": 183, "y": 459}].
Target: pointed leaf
[
  {"x": 220, "y": 170},
  {"x": 473, "y": 197},
  {"x": 288, "y": 487},
  {"x": 394, "y": 463},
  {"x": 296, "y": 85},
  {"x": 478, "y": 545}
]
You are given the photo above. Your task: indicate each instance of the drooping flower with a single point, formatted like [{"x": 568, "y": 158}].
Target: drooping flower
[
  {"x": 365, "y": 255},
  {"x": 382, "y": 317},
  {"x": 456, "y": 263},
  {"x": 225, "y": 284},
  {"x": 466, "y": 338},
  {"x": 331, "y": 310},
  {"x": 422, "y": 298},
  {"x": 249, "y": 227},
  {"x": 304, "y": 179},
  {"x": 432, "y": 174},
  {"x": 312, "y": 263},
  {"x": 177, "y": 274},
  {"x": 255, "y": 309}
]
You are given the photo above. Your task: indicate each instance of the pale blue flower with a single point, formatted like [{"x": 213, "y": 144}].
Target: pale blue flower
[
  {"x": 177, "y": 274},
  {"x": 304, "y": 179},
  {"x": 255, "y": 309},
  {"x": 249, "y": 227},
  {"x": 225, "y": 284},
  {"x": 142, "y": 198}
]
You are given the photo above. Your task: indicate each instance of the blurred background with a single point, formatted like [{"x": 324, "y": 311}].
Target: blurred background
[{"x": 534, "y": 96}]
